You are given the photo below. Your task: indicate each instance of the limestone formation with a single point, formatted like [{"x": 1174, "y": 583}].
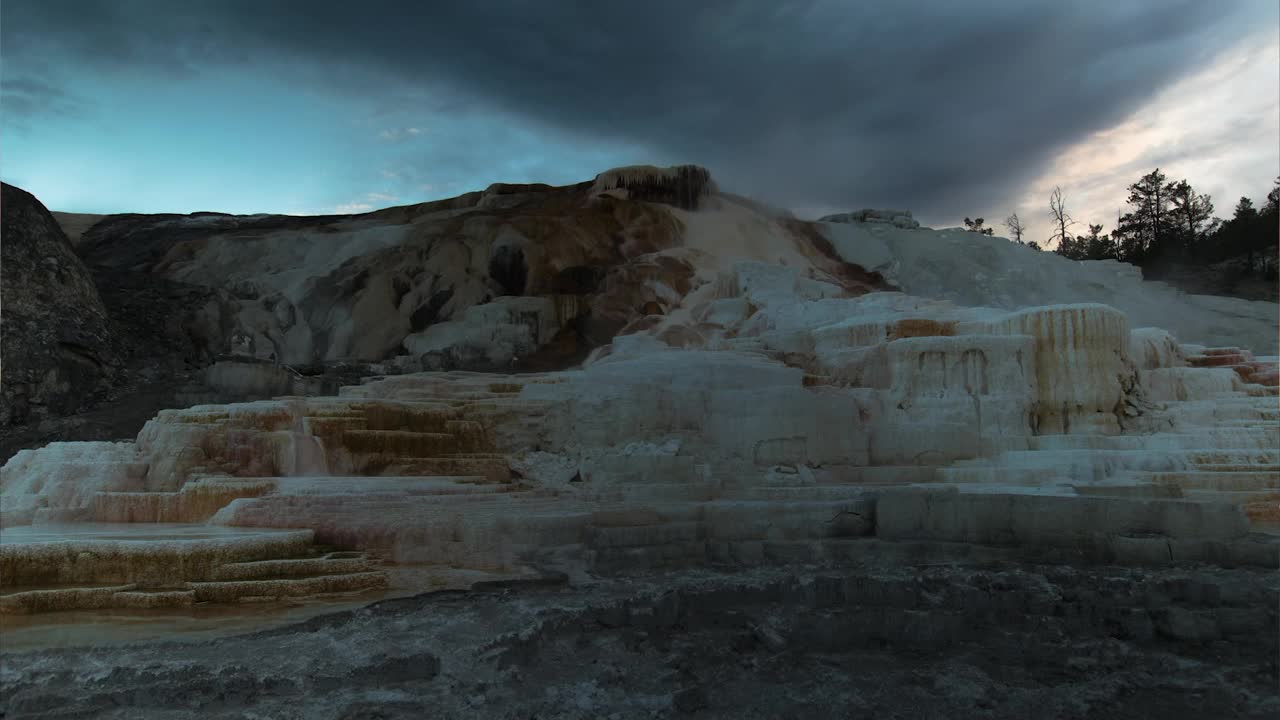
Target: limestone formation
[
  {"x": 745, "y": 389},
  {"x": 897, "y": 218},
  {"x": 302, "y": 291},
  {"x": 683, "y": 186},
  {"x": 806, "y": 423},
  {"x": 308, "y": 290},
  {"x": 979, "y": 270}
]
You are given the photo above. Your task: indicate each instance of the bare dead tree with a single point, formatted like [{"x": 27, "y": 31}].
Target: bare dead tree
[
  {"x": 1058, "y": 211},
  {"x": 1014, "y": 223}
]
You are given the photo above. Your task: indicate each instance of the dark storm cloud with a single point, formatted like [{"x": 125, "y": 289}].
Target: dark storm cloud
[{"x": 938, "y": 105}]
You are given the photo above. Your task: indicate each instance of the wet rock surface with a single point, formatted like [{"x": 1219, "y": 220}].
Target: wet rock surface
[{"x": 997, "y": 641}]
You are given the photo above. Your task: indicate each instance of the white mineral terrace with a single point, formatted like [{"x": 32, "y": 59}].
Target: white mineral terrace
[
  {"x": 765, "y": 417},
  {"x": 1033, "y": 431}
]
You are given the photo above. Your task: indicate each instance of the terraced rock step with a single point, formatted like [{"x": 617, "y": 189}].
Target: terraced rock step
[
  {"x": 408, "y": 484},
  {"x": 170, "y": 566},
  {"x": 264, "y": 569},
  {"x": 1255, "y": 479},
  {"x": 770, "y": 416},
  {"x": 196, "y": 502},
  {"x": 235, "y": 590},
  {"x": 128, "y": 597},
  {"x": 1198, "y": 490},
  {"x": 53, "y": 599}
]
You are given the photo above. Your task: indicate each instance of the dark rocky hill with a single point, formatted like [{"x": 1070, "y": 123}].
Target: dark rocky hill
[{"x": 58, "y": 349}]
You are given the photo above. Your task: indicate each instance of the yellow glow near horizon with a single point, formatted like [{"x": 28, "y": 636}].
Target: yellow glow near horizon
[{"x": 1219, "y": 129}]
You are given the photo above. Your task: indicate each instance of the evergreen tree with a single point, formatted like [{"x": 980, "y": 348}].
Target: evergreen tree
[
  {"x": 1146, "y": 231},
  {"x": 976, "y": 226},
  {"x": 1068, "y": 247},
  {"x": 1096, "y": 245},
  {"x": 1193, "y": 212},
  {"x": 1238, "y": 236}
]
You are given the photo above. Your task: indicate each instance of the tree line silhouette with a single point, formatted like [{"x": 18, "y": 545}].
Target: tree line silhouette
[{"x": 1167, "y": 222}]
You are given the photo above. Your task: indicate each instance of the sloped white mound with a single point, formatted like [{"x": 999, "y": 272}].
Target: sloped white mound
[{"x": 972, "y": 269}]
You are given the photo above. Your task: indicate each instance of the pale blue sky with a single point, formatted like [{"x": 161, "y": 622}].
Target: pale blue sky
[{"x": 247, "y": 142}]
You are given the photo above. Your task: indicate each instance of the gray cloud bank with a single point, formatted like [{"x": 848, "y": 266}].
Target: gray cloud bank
[{"x": 932, "y": 104}]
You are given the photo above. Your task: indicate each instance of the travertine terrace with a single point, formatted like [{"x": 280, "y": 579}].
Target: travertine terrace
[{"x": 768, "y": 397}]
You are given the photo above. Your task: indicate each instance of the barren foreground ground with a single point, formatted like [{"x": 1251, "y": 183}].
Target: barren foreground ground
[{"x": 1004, "y": 641}]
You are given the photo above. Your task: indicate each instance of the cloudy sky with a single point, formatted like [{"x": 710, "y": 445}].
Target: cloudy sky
[{"x": 942, "y": 107}]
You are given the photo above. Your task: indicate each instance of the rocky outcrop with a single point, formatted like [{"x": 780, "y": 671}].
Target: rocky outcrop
[
  {"x": 594, "y": 257},
  {"x": 312, "y": 290},
  {"x": 683, "y": 186},
  {"x": 165, "y": 334},
  {"x": 897, "y": 218},
  {"x": 59, "y": 353}
]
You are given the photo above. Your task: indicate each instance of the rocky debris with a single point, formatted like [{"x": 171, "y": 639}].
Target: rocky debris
[
  {"x": 60, "y": 352},
  {"x": 897, "y": 218},
  {"x": 1004, "y": 641}
]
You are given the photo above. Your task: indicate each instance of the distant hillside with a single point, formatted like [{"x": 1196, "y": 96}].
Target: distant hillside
[{"x": 75, "y": 224}]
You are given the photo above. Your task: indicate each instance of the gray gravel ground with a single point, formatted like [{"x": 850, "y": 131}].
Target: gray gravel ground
[{"x": 1007, "y": 641}]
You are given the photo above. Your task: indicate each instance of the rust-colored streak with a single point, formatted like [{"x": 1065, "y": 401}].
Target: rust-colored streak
[
  {"x": 920, "y": 327},
  {"x": 816, "y": 248}
]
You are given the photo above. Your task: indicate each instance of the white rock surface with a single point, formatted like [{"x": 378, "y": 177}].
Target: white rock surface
[
  {"x": 897, "y": 218},
  {"x": 978, "y": 270},
  {"x": 494, "y": 333},
  {"x": 768, "y": 397}
]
